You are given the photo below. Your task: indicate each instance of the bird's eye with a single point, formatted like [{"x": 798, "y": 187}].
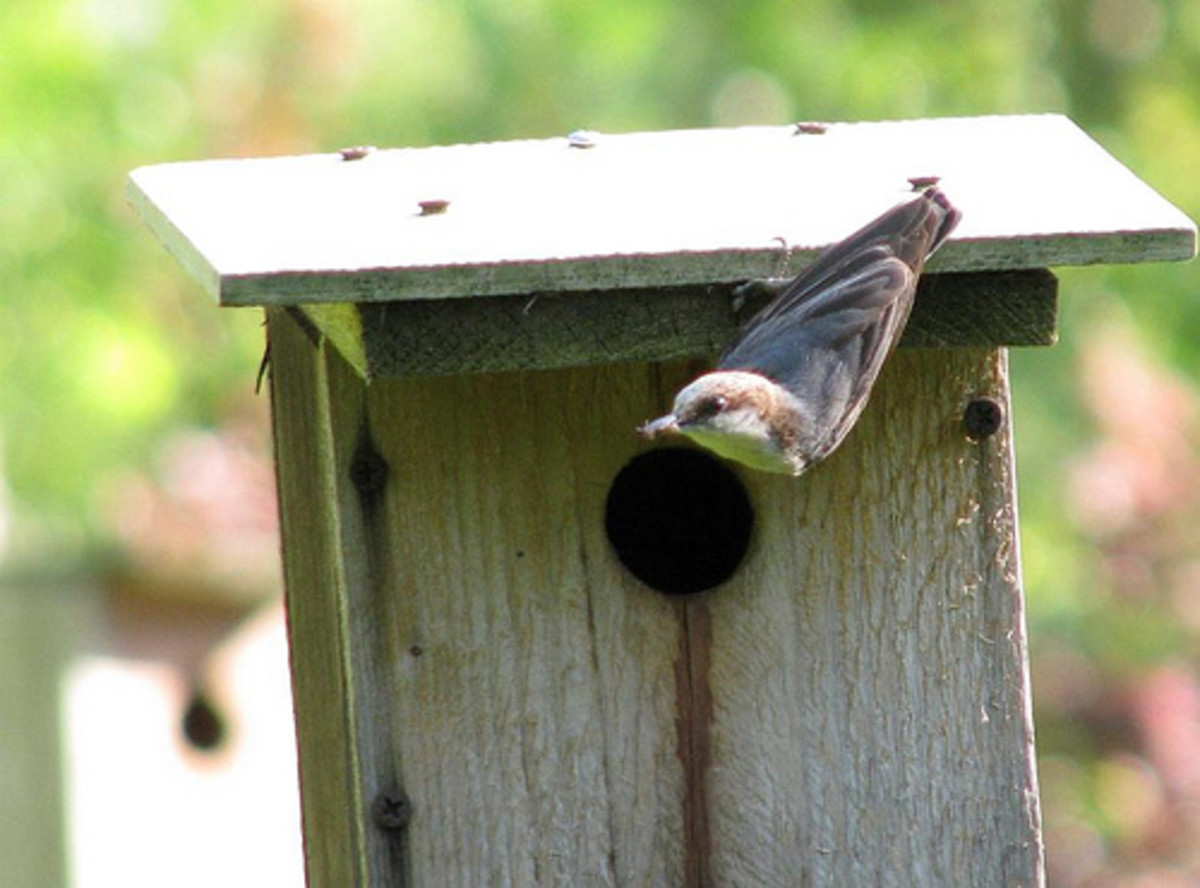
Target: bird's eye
[{"x": 710, "y": 407}]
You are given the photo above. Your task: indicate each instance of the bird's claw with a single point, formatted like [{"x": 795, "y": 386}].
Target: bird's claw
[{"x": 758, "y": 291}]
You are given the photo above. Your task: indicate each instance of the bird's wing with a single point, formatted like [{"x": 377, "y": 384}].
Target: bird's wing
[
  {"x": 827, "y": 335},
  {"x": 910, "y": 232},
  {"x": 828, "y": 349}
]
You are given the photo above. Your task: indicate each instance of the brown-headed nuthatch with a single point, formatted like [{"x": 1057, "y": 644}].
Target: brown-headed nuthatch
[{"x": 791, "y": 386}]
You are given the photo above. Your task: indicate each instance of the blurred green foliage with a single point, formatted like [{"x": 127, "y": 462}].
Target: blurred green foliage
[{"x": 107, "y": 348}]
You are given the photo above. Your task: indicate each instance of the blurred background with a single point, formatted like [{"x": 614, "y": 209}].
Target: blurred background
[{"x": 145, "y": 734}]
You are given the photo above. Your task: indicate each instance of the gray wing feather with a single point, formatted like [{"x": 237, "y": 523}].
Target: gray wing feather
[{"x": 827, "y": 335}]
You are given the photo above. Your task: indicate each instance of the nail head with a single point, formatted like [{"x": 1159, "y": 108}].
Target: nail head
[
  {"x": 433, "y": 207},
  {"x": 582, "y": 139},
  {"x": 368, "y": 472},
  {"x": 356, "y": 152}
]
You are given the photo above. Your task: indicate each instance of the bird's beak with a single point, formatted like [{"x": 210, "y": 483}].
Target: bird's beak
[{"x": 664, "y": 425}]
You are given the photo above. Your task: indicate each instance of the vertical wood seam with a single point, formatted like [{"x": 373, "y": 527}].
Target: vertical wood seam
[
  {"x": 597, "y": 670},
  {"x": 331, "y": 467},
  {"x": 360, "y": 523},
  {"x": 694, "y": 727},
  {"x": 372, "y": 504}
]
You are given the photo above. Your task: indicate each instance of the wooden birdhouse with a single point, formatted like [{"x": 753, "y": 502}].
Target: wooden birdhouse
[{"x": 531, "y": 648}]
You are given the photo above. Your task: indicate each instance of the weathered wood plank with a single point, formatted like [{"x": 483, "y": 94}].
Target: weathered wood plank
[
  {"x": 642, "y": 209},
  {"x": 532, "y": 688},
  {"x": 328, "y": 606},
  {"x": 462, "y": 636},
  {"x": 984, "y": 310},
  {"x": 437, "y": 337},
  {"x": 851, "y": 708},
  {"x": 869, "y": 663}
]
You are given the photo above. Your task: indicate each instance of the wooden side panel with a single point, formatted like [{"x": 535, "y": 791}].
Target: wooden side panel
[
  {"x": 533, "y": 686},
  {"x": 462, "y": 634},
  {"x": 869, "y": 667},
  {"x": 337, "y": 755},
  {"x": 851, "y": 708}
]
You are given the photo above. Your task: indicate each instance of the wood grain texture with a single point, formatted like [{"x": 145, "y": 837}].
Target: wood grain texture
[
  {"x": 870, "y": 663},
  {"x": 533, "y": 698},
  {"x": 851, "y": 708},
  {"x": 639, "y": 210},
  {"x": 539, "y": 331},
  {"x": 338, "y": 691}
]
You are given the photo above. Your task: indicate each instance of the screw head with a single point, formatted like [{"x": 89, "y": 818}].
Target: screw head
[
  {"x": 356, "y": 152},
  {"x": 582, "y": 139},
  {"x": 433, "y": 207},
  {"x": 391, "y": 810},
  {"x": 368, "y": 472},
  {"x": 982, "y": 418}
]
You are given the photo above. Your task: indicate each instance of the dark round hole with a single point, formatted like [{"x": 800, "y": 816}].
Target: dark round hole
[
  {"x": 679, "y": 519},
  {"x": 203, "y": 726}
]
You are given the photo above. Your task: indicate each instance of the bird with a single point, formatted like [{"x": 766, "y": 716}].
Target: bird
[{"x": 790, "y": 387}]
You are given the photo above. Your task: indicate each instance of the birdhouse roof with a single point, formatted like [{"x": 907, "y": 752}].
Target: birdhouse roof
[{"x": 590, "y": 213}]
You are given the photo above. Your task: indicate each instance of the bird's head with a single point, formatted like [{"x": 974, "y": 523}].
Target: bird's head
[{"x": 738, "y": 415}]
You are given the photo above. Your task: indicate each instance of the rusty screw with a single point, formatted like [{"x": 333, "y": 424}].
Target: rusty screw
[
  {"x": 433, "y": 207},
  {"x": 982, "y": 418},
  {"x": 356, "y": 152}
]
